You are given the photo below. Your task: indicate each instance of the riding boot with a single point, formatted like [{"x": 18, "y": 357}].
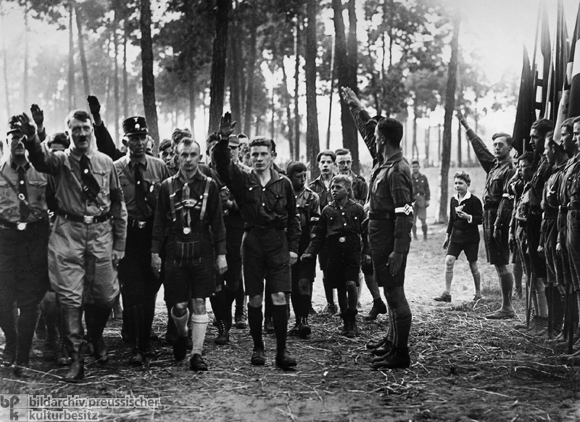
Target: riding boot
[
  {"x": 73, "y": 335},
  {"x": 26, "y": 327},
  {"x": 97, "y": 317},
  {"x": 138, "y": 353}
]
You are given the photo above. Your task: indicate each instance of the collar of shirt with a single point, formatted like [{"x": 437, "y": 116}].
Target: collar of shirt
[
  {"x": 141, "y": 160},
  {"x": 15, "y": 166},
  {"x": 349, "y": 203},
  {"x": 465, "y": 197},
  {"x": 503, "y": 162},
  {"x": 76, "y": 154},
  {"x": 196, "y": 176},
  {"x": 274, "y": 176}
]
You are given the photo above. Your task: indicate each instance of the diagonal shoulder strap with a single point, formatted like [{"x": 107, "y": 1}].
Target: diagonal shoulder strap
[
  {"x": 20, "y": 197},
  {"x": 205, "y": 197}
]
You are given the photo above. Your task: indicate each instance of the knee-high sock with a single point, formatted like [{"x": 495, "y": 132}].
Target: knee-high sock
[
  {"x": 390, "y": 330},
  {"x": 402, "y": 326},
  {"x": 255, "y": 322},
  {"x": 507, "y": 283},
  {"x": 477, "y": 281},
  {"x": 181, "y": 322},
  {"x": 518, "y": 273},
  {"x": 280, "y": 317},
  {"x": 541, "y": 296},
  {"x": 328, "y": 291},
  {"x": 218, "y": 303},
  {"x": 304, "y": 305},
  {"x": 448, "y": 278},
  {"x": 268, "y": 305},
  {"x": 198, "y": 332}
]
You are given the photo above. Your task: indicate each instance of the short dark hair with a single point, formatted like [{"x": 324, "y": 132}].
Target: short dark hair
[
  {"x": 186, "y": 142},
  {"x": 342, "y": 151},
  {"x": 81, "y": 115},
  {"x": 166, "y": 143},
  {"x": 568, "y": 124},
  {"x": 576, "y": 120},
  {"x": 391, "y": 130},
  {"x": 261, "y": 141},
  {"x": 463, "y": 176},
  {"x": 526, "y": 156},
  {"x": 295, "y": 167},
  {"x": 342, "y": 179},
  {"x": 59, "y": 138},
  {"x": 327, "y": 152},
  {"x": 507, "y": 137},
  {"x": 415, "y": 161},
  {"x": 178, "y": 135},
  {"x": 543, "y": 126}
]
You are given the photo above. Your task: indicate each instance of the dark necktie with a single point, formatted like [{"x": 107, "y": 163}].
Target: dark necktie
[
  {"x": 91, "y": 187},
  {"x": 23, "y": 194},
  {"x": 140, "y": 191}
]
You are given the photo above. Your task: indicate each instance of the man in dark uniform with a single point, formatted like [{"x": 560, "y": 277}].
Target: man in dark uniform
[
  {"x": 189, "y": 214},
  {"x": 422, "y": 198},
  {"x": 555, "y": 275},
  {"x": 303, "y": 272},
  {"x": 141, "y": 176},
  {"x": 321, "y": 186},
  {"x": 499, "y": 168},
  {"x": 391, "y": 220},
  {"x": 270, "y": 243},
  {"x": 23, "y": 249},
  {"x": 88, "y": 239}
]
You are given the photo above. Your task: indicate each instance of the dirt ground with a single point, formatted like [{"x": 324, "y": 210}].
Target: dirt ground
[{"x": 464, "y": 367}]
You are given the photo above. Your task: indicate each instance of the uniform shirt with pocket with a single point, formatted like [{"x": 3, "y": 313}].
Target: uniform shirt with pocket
[{"x": 36, "y": 184}]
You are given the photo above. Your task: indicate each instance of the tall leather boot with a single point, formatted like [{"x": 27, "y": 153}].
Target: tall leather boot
[
  {"x": 26, "y": 327},
  {"x": 50, "y": 312},
  {"x": 139, "y": 352},
  {"x": 97, "y": 317},
  {"x": 7, "y": 323},
  {"x": 73, "y": 335}
]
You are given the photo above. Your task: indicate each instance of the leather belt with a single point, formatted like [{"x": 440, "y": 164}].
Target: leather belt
[
  {"x": 380, "y": 216},
  {"x": 86, "y": 219},
  {"x": 138, "y": 223},
  {"x": 20, "y": 226}
]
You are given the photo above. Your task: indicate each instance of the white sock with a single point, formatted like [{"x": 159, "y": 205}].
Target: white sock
[
  {"x": 181, "y": 322},
  {"x": 198, "y": 332}
]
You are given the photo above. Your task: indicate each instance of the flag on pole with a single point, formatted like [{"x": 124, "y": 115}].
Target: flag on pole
[
  {"x": 525, "y": 113},
  {"x": 555, "y": 107},
  {"x": 573, "y": 71},
  {"x": 542, "y": 60}
]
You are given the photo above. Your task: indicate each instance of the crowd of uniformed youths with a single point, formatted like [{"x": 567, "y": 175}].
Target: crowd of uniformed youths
[{"x": 82, "y": 221}]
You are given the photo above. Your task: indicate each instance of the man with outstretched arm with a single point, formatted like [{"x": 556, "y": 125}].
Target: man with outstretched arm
[
  {"x": 390, "y": 223},
  {"x": 499, "y": 168},
  {"x": 272, "y": 231}
]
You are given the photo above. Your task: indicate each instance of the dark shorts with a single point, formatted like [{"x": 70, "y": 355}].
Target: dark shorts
[
  {"x": 498, "y": 253},
  {"x": 343, "y": 260},
  {"x": 323, "y": 259},
  {"x": 382, "y": 243},
  {"x": 265, "y": 256},
  {"x": 139, "y": 285},
  {"x": 573, "y": 244},
  {"x": 23, "y": 266},
  {"x": 195, "y": 279},
  {"x": 419, "y": 212},
  {"x": 471, "y": 250}
]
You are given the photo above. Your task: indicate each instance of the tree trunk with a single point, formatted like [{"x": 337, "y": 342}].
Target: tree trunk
[
  {"x": 84, "y": 65},
  {"x": 352, "y": 48},
  {"x": 71, "y": 60},
  {"x": 288, "y": 111},
  {"x": 116, "y": 76},
  {"x": 125, "y": 74},
  {"x": 148, "y": 79},
  {"x": 427, "y": 144},
  {"x": 296, "y": 92},
  {"x": 332, "y": 68},
  {"x": 218, "y": 64},
  {"x": 25, "y": 102},
  {"x": 192, "y": 103},
  {"x": 312, "y": 135},
  {"x": 449, "y": 106},
  {"x": 459, "y": 158},
  {"x": 349, "y": 131},
  {"x": 273, "y": 122},
  {"x": 251, "y": 77},
  {"x": 5, "y": 66},
  {"x": 235, "y": 73},
  {"x": 414, "y": 147}
]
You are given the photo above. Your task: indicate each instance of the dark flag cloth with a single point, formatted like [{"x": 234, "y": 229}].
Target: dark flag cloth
[
  {"x": 542, "y": 59},
  {"x": 525, "y": 113},
  {"x": 573, "y": 71},
  {"x": 557, "y": 74}
]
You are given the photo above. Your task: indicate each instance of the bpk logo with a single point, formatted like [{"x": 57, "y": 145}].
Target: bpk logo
[{"x": 13, "y": 407}]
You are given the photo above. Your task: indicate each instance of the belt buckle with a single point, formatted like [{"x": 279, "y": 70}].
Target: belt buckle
[
  {"x": 141, "y": 224},
  {"x": 21, "y": 226},
  {"x": 342, "y": 239},
  {"x": 88, "y": 219}
]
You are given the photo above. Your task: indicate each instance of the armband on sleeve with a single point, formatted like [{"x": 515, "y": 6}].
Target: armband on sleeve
[{"x": 403, "y": 226}]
